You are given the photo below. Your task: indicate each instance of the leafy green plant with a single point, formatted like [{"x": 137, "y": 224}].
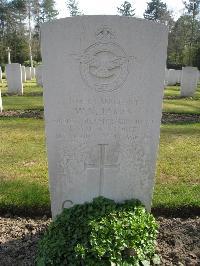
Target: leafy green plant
[{"x": 100, "y": 233}]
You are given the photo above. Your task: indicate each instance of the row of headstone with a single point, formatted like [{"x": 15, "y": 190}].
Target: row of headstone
[
  {"x": 188, "y": 78},
  {"x": 106, "y": 88}
]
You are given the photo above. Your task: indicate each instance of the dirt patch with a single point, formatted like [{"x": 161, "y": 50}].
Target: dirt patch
[
  {"x": 166, "y": 117},
  {"x": 178, "y": 241},
  {"x": 180, "y": 118},
  {"x": 38, "y": 114}
]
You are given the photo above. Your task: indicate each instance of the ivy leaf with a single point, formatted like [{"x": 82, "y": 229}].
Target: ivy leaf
[
  {"x": 145, "y": 263},
  {"x": 156, "y": 260}
]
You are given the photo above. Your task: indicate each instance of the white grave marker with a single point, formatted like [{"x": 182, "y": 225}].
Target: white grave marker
[
  {"x": 23, "y": 74},
  {"x": 189, "y": 81},
  {"x": 172, "y": 77},
  {"x": 103, "y": 101},
  {"x": 28, "y": 73},
  {"x": 38, "y": 75},
  {"x": 14, "y": 78},
  {"x": 32, "y": 72}
]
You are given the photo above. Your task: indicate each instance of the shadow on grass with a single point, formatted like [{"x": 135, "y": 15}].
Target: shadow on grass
[
  {"x": 24, "y": 198},
  {"x": 32, "y": 94},
  {"x": 180, "y": 129},
  {"x": 176, "y": 118}
]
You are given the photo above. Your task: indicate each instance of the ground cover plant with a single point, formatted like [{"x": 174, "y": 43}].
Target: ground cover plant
[{"x": 100, "y": 233}]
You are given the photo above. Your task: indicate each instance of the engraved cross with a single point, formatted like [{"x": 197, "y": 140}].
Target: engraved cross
[{"x": 101, "y": 165}]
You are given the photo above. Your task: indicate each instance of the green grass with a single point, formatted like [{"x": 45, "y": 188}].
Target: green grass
[
  {"x": 31, "y": 100},
  {"x": 178, "y": 168},
  {"x": 23, "y": 165},
  {"x": 176, "y": 104}
]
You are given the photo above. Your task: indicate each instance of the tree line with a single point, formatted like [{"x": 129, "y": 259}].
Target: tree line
[{"x": 20, "y": 22}]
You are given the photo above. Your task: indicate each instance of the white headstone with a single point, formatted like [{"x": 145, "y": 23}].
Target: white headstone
[
  {"x": 189, "y": 81},
  {"x": 1, "y": 75},
  {"x": 23, "y": 74},
  {"x": 28, "y": 73},
  {"x": 38, "y": 75},
  {"x": 1, "y": 104},
  {"x": 172, "y": 77},
  {"x": 178, "y": 75},
  {"x": 32, "y": 72},
  {"x": 14, "y": 78},
  {"x": 103, "y": 101}
]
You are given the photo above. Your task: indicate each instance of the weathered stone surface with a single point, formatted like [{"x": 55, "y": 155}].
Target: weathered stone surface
[
  {"x": 28, "y": 73},
  {"x": 103, "y": 99},
  {"x": 38, "y": 75},
  {"x": 23, "y": 73},
  {"x": 189, "y": 81},
  {"x": 14, "y": 78}
]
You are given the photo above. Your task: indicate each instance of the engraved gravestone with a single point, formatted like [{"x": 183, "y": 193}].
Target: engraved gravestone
[
  {"x": 14, "y": 78},
  {"x": 189, "y": 81},
  {"x": 103, "y": 101}
]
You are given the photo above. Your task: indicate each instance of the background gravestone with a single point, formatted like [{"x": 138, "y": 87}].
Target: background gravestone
[
  {"x": 28, "y": 73},
  {"x": 189, "y": 81},
  {"x": 23, "y": 73},
  {"x": 103, "y": 101},
  {"x": 178, "y": 73},
  {"x": 32, "y": 72},
  {"x": 14, "y": 78},
  {"x": 38, "y": 75},
  {"x": 172, "y": 77}
]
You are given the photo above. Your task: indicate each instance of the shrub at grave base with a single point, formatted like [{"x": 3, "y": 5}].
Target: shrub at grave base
[{"x": 100, "y": 233}]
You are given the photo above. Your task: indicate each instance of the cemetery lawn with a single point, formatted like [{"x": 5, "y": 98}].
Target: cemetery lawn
[
  {"x": 173, "y": 103},
  {"x": 31, "y": 100},
  {"x": 23, "y": 165}
]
